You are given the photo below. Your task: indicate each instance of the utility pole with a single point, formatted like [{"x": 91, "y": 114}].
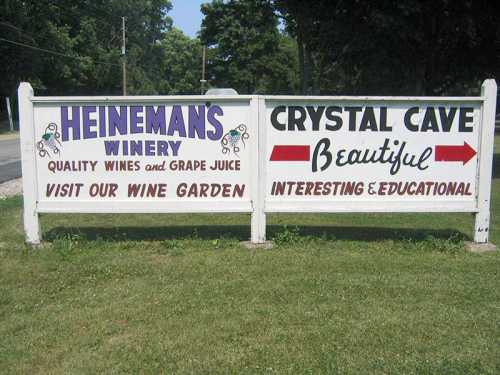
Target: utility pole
[
  {"x": 203, "y": 80},
  {"x": 124, "y": 60},
  {"x": 11, "y": 123}
]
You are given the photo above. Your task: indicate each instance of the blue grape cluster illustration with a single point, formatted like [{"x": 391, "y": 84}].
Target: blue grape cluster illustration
[
  {"x": 232, "y": 139},
  {"x": 49, "y": 144}
]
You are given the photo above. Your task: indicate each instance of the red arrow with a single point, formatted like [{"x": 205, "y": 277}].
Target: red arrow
[
  {"x": 454, "y": 153},
  {"x": 290, "y": 153}
]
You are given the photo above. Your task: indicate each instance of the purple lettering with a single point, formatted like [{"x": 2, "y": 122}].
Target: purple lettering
[
  {"x": 73, "y": 123},
  {"x": 111, "y": 147},
  {"x": 88, "y": 123},
  {"x": 176, "y": 122},
  {"x": 196, "y": 122},
  {"x": 102, "y": 121},
  {"x": 150, "y": 148},
  {"x": 136, "y": 119},
  {"x": 155, "y": 121},
  {"x": 135, "y": 148},
  {"x": 219, "y": 130},
  {"x": 117, "y": 121},
  {"x": 174, "y": 146}
]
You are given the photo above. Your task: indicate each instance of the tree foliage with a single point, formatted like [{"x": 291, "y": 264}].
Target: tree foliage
[
  {"x": 394, "y": 46},
  {"x": 180, "y": 69},
  {"x": 246, "y": 50},
  {"x": 329, "y": 46},
  {"x": 88, "y": 34}
]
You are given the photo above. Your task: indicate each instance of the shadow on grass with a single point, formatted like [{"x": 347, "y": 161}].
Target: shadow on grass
[{"x": 242, "y": 233}]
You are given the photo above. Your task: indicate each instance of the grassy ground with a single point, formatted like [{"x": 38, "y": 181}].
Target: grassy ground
[{"x": 353, "y": 294}]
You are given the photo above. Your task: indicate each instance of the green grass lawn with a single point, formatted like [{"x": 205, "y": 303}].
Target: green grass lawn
[{"x": 348, "y": 294}]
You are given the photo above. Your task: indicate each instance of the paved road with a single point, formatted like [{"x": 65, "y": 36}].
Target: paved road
[{"x": 10, "y": 160}]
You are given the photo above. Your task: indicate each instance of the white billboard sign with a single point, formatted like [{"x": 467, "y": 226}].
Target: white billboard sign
[
  {"x": 160, "y": 156},
  {"x": 257, "y": 154},
  {"x": 337, "y": 156}
]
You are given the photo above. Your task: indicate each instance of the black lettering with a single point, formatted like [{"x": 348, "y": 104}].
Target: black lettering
[
  {"x": 315, "y": 115},
  {"x": 464, "y": 119},
  {"x": 447, "y": 119},
  {"x": 274, "y": 118},
  {"x": 352, "y": 116},
  {"x": 296, "y": 122},
  {"x": 368, "y": 120},
  {"x": 409, "y": 113},
  {"x": 323, "y": 145},
  {"x": 330, "y": 116},
  {"x": 430, "y": 121},
  {"x": 383, "y": 120}
]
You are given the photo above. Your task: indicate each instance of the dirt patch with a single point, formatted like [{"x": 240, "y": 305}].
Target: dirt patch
[
  {"x": 11, "y": 188},
  {"x": 6, "y": 136}
]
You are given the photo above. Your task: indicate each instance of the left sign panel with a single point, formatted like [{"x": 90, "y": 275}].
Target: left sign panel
[{"x": 158, "y": 153}]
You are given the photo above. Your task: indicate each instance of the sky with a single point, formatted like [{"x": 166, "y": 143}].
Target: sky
[{"x": 187, "y": 16}]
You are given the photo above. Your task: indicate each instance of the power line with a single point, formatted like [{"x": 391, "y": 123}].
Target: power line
[
  {"x": 124, "y": 59},
  {"x": 43, "y": 36},
  {"x": 55, "y": 52},
  {"x": 18, "y": 30}
]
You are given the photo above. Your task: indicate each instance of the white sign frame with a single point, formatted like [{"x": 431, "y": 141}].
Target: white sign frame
[{"x": 258, "y": 206}]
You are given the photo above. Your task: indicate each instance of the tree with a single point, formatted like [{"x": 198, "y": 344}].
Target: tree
[
  {"x": 297, "y": 17},
  {"x": 246, "y": 51},
  {"x": 86, "y": 38},
  {"x": 180, "y": 70},
  {"x": 397, "y": 46}
]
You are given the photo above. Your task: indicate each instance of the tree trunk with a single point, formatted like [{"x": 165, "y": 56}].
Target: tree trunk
[
  {"x": 302, "y": 72},
  {"x": 309, "y": 66}
]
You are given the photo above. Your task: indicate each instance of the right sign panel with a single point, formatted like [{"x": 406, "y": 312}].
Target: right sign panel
[{"x": 371, "y": 155}]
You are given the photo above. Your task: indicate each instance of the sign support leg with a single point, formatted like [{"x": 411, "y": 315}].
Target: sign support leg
[
  {"x": 482, "y": 218},
  {"x": 27, "y": 133},
  {"x": 258, "y": 226},
  {"x": 258, "y": 235}
]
